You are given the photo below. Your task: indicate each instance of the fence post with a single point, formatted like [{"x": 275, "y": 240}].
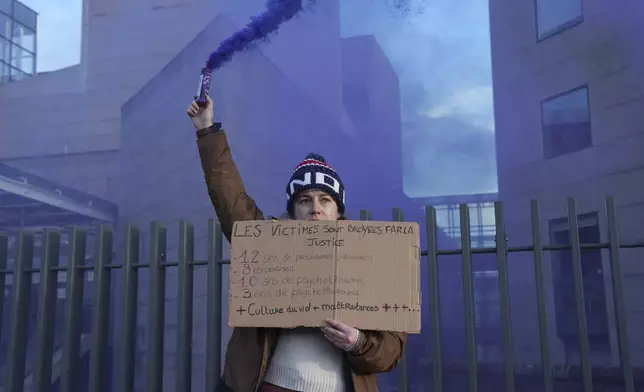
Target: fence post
[
  {"x": 365, "y": 215},
  {"x": 74, "y": 309},
  {"x": 504, "y": 293},
  {"x": 582, "y": 327},
  {"x": 130, "y": 306},
  {"x": 468, "y": 294},
  {"x": 434, "y": 298},
  {"x": 20, "y": 313},
  {"x": 537, "y": 243},
  {"x": 156, "y": 313},
  {"x": 215, "y": 283},
  {"x": 403, "y": 378},
  {"x": 184, "y": 313},
  {"x": 618, "y": 296},
  {"x": 101, "y": 310},
  {"x": 4, "y": 255},
  {"x": 47, "y": 309}
]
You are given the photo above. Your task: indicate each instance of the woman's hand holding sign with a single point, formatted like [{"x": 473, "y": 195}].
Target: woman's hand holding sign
[{"x": 341, "y": 335}]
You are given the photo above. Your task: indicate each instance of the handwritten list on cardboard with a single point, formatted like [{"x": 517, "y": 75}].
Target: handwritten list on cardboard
[{"x": 286, "y": 274}]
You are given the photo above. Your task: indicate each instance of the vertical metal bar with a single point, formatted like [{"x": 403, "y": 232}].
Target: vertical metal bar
[
  {"x": 618, "y": 296},
  {"x": 130, "y": 303},
  {"x": 403, "y": 377},
  {"x": 541, "y": 297},
  {"x": 4, "y": 256},
  {"x": 20, "y": 313},
  {"x": 582, "y": 327},
  {"x": 434, "y": 298},
  {"x": 156, "y": 314},
  {"x": 504, "y": 291},
  {"x": 215, "y": 298},
  {"x": 73, "y": 311},
  {"x": 365, "y": 215},
  {"x": 101, "y": 311},
  {"x": 468, "y": 296},
  {"x": 184, "y": 314},
  {"x": 47, "y": 309}
]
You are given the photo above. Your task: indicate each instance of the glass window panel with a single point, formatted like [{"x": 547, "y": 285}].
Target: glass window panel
[
  {"x": 22, "y": 59},
  {"x": 5, "y": 50},
  {"x": 17, "y": 75},
  {"x": 566, "y": 123},
  {"x": 556, "y": 15},
  {"x": 25, "y": 15},
  {"x": 5, "y": 25},
  {"x": 4, "y": 72},
  {"x": 24, "y": 37},
  {"x": 5, "y": 6}
]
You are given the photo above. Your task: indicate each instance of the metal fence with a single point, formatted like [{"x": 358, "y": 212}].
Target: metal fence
[{"x": 124, "y": 364}]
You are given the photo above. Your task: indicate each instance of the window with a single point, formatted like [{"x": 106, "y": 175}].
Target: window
[
  {"x": 555, "y": 16},
  {"x": 5, "y": 25},
  {"x": 24, "y": 37},
  {"x": 22, "y": 59},
  {"x": 482, "y": 222},
  {"x": 17, "y": 75},
  {"x": 25, "y": 15},
  {"x": 487, "y": 309},
  {"x": 487, "y": 299},
  {"x": 566, "y": 123},
  {"x": 5, "y": 50},
  {"x": 593, "y": 282},
  {"x": 5, "y": 6},
  {"x": 4, "y": 72}
]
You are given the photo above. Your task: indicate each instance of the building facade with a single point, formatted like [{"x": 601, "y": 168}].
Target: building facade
[
  {"x": 569, "y": 109},
  {"x": 18, "y": 27}
]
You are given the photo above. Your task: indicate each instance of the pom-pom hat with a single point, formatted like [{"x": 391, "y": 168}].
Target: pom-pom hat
[{"x": 315, "y": 173}]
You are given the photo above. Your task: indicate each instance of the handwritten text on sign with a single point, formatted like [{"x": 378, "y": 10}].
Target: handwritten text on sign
[{"x": 298, "y": 273}]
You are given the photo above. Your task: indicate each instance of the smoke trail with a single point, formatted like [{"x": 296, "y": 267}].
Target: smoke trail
[
  {"x": 407, "y": 8},
  {"x": 276, "y": 13}
]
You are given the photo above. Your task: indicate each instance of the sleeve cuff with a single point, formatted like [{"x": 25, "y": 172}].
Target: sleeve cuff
[
  {"x": 356, "y": 346},
  {"x": 214, "y": 128}
]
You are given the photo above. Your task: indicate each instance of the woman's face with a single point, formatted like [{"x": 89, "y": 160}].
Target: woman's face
[{"x": 315, "y": 205}]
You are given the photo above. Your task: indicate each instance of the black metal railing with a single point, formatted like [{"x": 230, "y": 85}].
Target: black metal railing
[{"x": 103, "y": 267}]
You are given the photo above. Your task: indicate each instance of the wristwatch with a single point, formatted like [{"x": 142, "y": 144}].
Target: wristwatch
[{"x": 214, "y": 128}]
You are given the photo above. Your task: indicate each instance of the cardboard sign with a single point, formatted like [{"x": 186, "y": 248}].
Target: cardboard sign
[{"x": 286, "y": 274}]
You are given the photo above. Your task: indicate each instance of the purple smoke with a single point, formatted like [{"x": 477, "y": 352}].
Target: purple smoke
[{"x": 276, "y": 13}]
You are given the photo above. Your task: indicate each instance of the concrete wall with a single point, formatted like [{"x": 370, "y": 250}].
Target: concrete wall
[
  {"x": 91, "y": 172},
  {"x": 371, "y": 102},
  {"x": 603, "y": 51},
  {"x": 126, "y": 43},
  {"x": 306, "y": 45},
  {"x": 77, "y": 110}
]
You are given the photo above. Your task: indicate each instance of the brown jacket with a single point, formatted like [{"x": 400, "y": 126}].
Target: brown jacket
[{"x": 250, "y": 349}]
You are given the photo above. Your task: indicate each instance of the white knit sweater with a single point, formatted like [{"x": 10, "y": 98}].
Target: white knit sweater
[{"x": 305, "y": 361}]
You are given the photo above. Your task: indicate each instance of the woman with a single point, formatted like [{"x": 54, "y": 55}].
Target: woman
[{"x": 339, "y": 358}]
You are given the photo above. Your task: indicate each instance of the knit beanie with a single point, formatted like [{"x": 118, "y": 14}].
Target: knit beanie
[{"x": 314, "y": 173}]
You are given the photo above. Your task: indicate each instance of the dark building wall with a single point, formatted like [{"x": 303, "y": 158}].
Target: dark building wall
[{"x": 568, "y": 94}]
